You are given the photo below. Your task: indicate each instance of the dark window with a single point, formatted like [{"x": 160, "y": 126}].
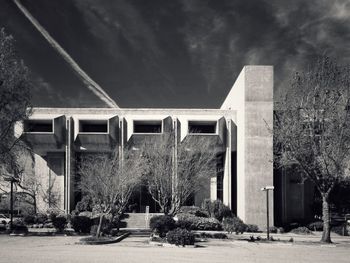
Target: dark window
[
  {"x": 220, "y": 177},
  {"x": 202, "y": 126},
  {"x": 147, "y": 126},
  {"x": 93, "y": 126},
  {"x": 38, "y": 126}
]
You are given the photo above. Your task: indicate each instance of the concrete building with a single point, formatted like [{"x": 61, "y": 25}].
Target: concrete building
[{"x": 59, "y": 137}]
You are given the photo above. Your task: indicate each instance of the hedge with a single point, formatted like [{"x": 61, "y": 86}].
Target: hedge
[
  {"x": 162, "y": 224},
  {"x": 180, "y": 237},
  {"x": 191, "y": 222}
]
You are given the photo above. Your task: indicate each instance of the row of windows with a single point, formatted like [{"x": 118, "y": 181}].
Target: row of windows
[{"x": 101, "y": 126}]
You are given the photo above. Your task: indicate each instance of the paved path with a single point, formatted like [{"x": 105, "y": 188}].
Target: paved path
[{"x": 136, "y": 249}]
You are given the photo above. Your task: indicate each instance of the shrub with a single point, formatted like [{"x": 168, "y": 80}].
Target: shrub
[
  {"x": 162, "y": 224},
  {"x": 59, "y": 222},
  {"x": 340, "y": 230},
  {"x": 280, "y": 230},
  {"x": 40, "y": 218},
  {"x": 81, "y": 224},
  {"x": 234, "y": 224},
  {"x": 48, "y": 225},
  {"x": 301, "y": 230},
  {"x": 211, "y": 235},
  {"x": 316, "y": 226},
  {"x": 194, "y": 210},
  {"x": 216, "y": 209},
  {"x": 252, "y": 228},
  {"x": 93, "y": 230},
  {"x": 180, "y": 237},
  {"x": 85, "y": 204},
  {"x": 18, "y": 222},
  {"x": 191, "y": 222},
  {"x": 273, "y": 229},
  {"x": 19, "y": 229},
  {"x": 29, "y": 219}
]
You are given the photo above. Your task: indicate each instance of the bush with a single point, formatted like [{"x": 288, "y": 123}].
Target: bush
[
  {"x": 29, "y": 219},
  {"x": 280, "y": 230},
  {"x": 211, "y": 235},
  {"x": 191, "y": 222},
  {"x": 316, "y": 226},
  {"x": 216, "y": 209},
  {"x": 273, "y": 229},
  {"x": 18, "y": 221},
  {"x": 93, "y": 230},
  {"x": 340, "y": 230},
  {"x": 85, "y": 204},
  {"x": 234, "y": 224},
  {"x": 194, "y": 210},
  {"x": 301, "y": 230},
  {"x": 81, "y": 224},
  {"x": 108, "y": 228},
  {"x": 180, "y": 237},
  {"x": 162, "y": 224},
  {"x": 252, "y": 228},
  {"x": 19, "y": 229},
  {"x": 40, "y": 218},
  {"x": 59, "y": 222}
]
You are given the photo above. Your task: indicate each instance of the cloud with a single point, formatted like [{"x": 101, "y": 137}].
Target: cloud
[{"x": 188, "y": 53}]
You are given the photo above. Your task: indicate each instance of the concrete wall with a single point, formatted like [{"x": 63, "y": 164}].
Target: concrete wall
[
  {"x": 243, "y": 117},
  {"x": 252, "y": 98}
]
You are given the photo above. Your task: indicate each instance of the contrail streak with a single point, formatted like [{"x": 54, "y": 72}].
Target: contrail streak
[{"x": 90, "y": 83}]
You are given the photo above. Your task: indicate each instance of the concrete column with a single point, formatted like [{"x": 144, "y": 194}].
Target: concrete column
[
  {"x": 67, "y": 166},
  {"x": 227, "y": 168},
  {"x": 251, "y": 97}
]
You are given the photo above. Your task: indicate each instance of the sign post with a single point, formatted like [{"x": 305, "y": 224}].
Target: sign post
[
  {"x": 266, "y": 189},
  {"x": 147, "y": 216}
]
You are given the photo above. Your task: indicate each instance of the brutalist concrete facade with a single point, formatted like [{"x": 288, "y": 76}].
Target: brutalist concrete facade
[{"x": 239, "y": 128}]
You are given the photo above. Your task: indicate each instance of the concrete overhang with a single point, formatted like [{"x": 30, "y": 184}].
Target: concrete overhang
[
  {"x": 53, "y": 139},
  {"x": 97, "y": 140}
]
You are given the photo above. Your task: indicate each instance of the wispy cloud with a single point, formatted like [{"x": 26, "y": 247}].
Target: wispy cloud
[{"x": 90, "y": 83}]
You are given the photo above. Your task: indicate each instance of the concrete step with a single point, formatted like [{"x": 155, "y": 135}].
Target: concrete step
[
  {"x": 139, "y": 232},
  {"x": 138, "y": 220}
]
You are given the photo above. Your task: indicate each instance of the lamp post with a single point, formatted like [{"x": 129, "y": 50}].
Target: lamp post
[
  {"x": 12, "y": 180},
  {"x": 266, "y": 189}
]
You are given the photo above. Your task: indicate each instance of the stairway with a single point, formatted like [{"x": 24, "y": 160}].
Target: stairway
[{"x": 138, "y": 220}]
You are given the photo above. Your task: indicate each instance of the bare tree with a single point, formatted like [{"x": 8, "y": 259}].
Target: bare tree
[
  {"x": 14, "y": 99},
  {"x": 174, "y": 173},
  {"x": 109, "y": 180},
  {"x": 312, "y": 128},
  {"x": 30, "y": 187}
]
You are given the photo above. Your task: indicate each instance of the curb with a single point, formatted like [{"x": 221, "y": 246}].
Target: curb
[
  {"x": 104, "y": 242},
  {"x": 158, "y": 244}
]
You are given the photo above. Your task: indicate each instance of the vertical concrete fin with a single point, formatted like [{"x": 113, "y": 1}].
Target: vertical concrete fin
[
  {"x": 126, "y": 136},
  {"x": 235, "y": 101},
  {"x": 113, "y": 124},
  {"x": 167, "y": 124},
  {"x": 59, "y": 124},
  {"x": 178, "y": 127},
  {"x": 258, "y": 142},
  {"x": 222, "y": 130}
]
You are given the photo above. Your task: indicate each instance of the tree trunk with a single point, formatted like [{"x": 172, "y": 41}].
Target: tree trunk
[
  {"x": 34, "y": 205},
  {"x": 326, "y": 235},
  {"x": 99, "y": 228}
]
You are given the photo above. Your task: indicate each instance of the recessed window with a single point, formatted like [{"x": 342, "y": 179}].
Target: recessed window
[
  {"x": 93, "y": 126},
  {"x": 202, "y": 127},
  {"x": 38, "y": 126},
  {"x": 147, "y": 126}
]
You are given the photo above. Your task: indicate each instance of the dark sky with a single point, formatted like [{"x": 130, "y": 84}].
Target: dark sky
[{"x": 176, "y": 53}]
